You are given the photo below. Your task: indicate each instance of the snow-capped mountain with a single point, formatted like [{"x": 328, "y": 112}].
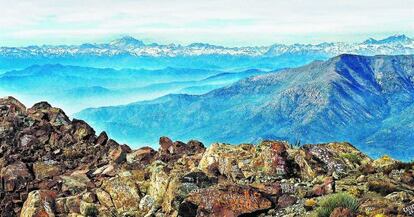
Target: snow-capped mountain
[
  {"x": 128, "y": 52},
  {"x": 397, "y": 44}
]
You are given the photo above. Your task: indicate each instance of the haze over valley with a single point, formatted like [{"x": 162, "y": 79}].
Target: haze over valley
[{"x": 301, "y": 92}]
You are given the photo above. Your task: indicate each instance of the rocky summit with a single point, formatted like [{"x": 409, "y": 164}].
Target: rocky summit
[{"x": 53, "y": 166}]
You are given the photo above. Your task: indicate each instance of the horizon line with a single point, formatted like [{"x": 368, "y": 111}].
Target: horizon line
[{"x": 148, "y": 43}]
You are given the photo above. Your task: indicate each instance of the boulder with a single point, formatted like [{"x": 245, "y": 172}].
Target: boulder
[
  {"x": 15, "y": 177},
  {"x": 384, "y": 163},
  {"x": 306, "y": 171},
  {"x": 104, "y": 198},
  {"x": 234, "y": 162},
  {"x": 172, "y": 151},
  {"x": 107, "y": 170},
  {"x": 272, "y": 159},
  {"x": 158, "y": 182},
  {"x": 286, "y": 200},
  {"x": 118, "y": 154},
  {"x": 44, "y": 111},
  {"x": 196, "y": 146},
  {"x": 73, "y": 203},
  {"x": 13, "y": 105},
  {"x": 40, "y": 203},
  {"x": 82, "y": 131},
  {"x": 379, "y": 205},
  {"x": 46, "y": 169},
  {"x": 268, "y": 159},
  {"x": 27, "y": 141},
  {"x": 327, "y": 187},
  {"x": 230, "y": 200},
  {"x": 76, "y": 183},
  {"x": 165, "y": 144},
  {"x": 336, "y": 159},
  {"x": 146, "y": 204},
  {"x": 102, "y": 138},
  {"x": 124, "y": 193},
  {"x": 143, "y": 155}
]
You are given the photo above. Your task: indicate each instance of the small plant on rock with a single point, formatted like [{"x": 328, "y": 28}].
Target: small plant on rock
[
  {"x": 353, "y": 158},
  {"x": 91, "y": 211},
  {"x": 339, "y": 200}
]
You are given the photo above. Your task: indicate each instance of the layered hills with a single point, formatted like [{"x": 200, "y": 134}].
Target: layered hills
[
  {"x": 367, "y": 100},
  {"x": 75, "y": 88}
]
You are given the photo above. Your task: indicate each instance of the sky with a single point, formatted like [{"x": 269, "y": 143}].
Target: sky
[{"x": 221, "y": 22}]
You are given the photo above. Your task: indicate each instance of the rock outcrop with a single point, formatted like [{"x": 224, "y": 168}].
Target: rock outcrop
[{"x": 53, "y": 166}]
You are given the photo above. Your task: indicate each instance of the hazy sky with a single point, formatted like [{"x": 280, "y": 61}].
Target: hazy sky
[{"x": 225, "y": 22}]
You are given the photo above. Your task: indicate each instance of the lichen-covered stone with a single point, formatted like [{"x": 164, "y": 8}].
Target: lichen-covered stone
[
  {"x": 104, "y": 198},
  {"x": 124, "y": 193},
  {"x": 39, "y": 203},
  {"x": 76, "y": 183},
  {"x": 226, "y": 200},
  {"x": 46, "y": 169}
]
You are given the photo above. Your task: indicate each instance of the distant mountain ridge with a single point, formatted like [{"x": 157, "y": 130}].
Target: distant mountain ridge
[
  {"x": 400, "y": 44},
  {"x": 131, "y": 52},
  {"x": 368, "y": 101},
  {"x": 75, "y": 88}
]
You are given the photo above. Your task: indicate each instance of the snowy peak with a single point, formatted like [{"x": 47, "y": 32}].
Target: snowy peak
[
  {"x": 393, "y": 45},
  {"x": 127, "y": 41},
  {"x": 392, "y": 39},
  {"x": 203, "y": 45}
]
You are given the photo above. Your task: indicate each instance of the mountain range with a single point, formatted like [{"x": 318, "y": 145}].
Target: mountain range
[
  {"x": 75, "y": 88},
  {"x": 303, "y": 93},
  {"x": 128, "y": 52},
  {"x": 366, "y": 100}
]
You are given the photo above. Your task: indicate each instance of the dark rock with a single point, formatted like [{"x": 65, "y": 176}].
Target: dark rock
[
  {"x": 200, "y": 179},
  {"x": 41, "y": 106},
  {"x": 12, "y": 105},
  {"x": 142, "y": 155},
  {"x": 82, "y": 131},
  {"x": 15, "y": 177},
  {"x": 286, "y": 200},
  {"x": 102, "y": 139},
  {"x": 117, "y": 155},
  {"x": 196, "y": 146},
  {"x": 165, "y": 144}
]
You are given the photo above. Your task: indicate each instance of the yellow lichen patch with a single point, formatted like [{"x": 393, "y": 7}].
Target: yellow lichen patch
[
  {"x": 355, "y": 192},
  {"x": 310, "y": 203},
  {"x": 384, "y": 162},
  {"x": 380, "y": 215}
]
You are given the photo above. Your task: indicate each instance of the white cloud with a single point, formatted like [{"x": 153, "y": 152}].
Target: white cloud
[{"x": 224, "y": 22}]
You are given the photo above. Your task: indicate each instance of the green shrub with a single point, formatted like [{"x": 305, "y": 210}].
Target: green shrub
[
  {"x": 91, "y": 211},
  {"x": 353, "y": 158},
  {"x": 329, "y": 203}
]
